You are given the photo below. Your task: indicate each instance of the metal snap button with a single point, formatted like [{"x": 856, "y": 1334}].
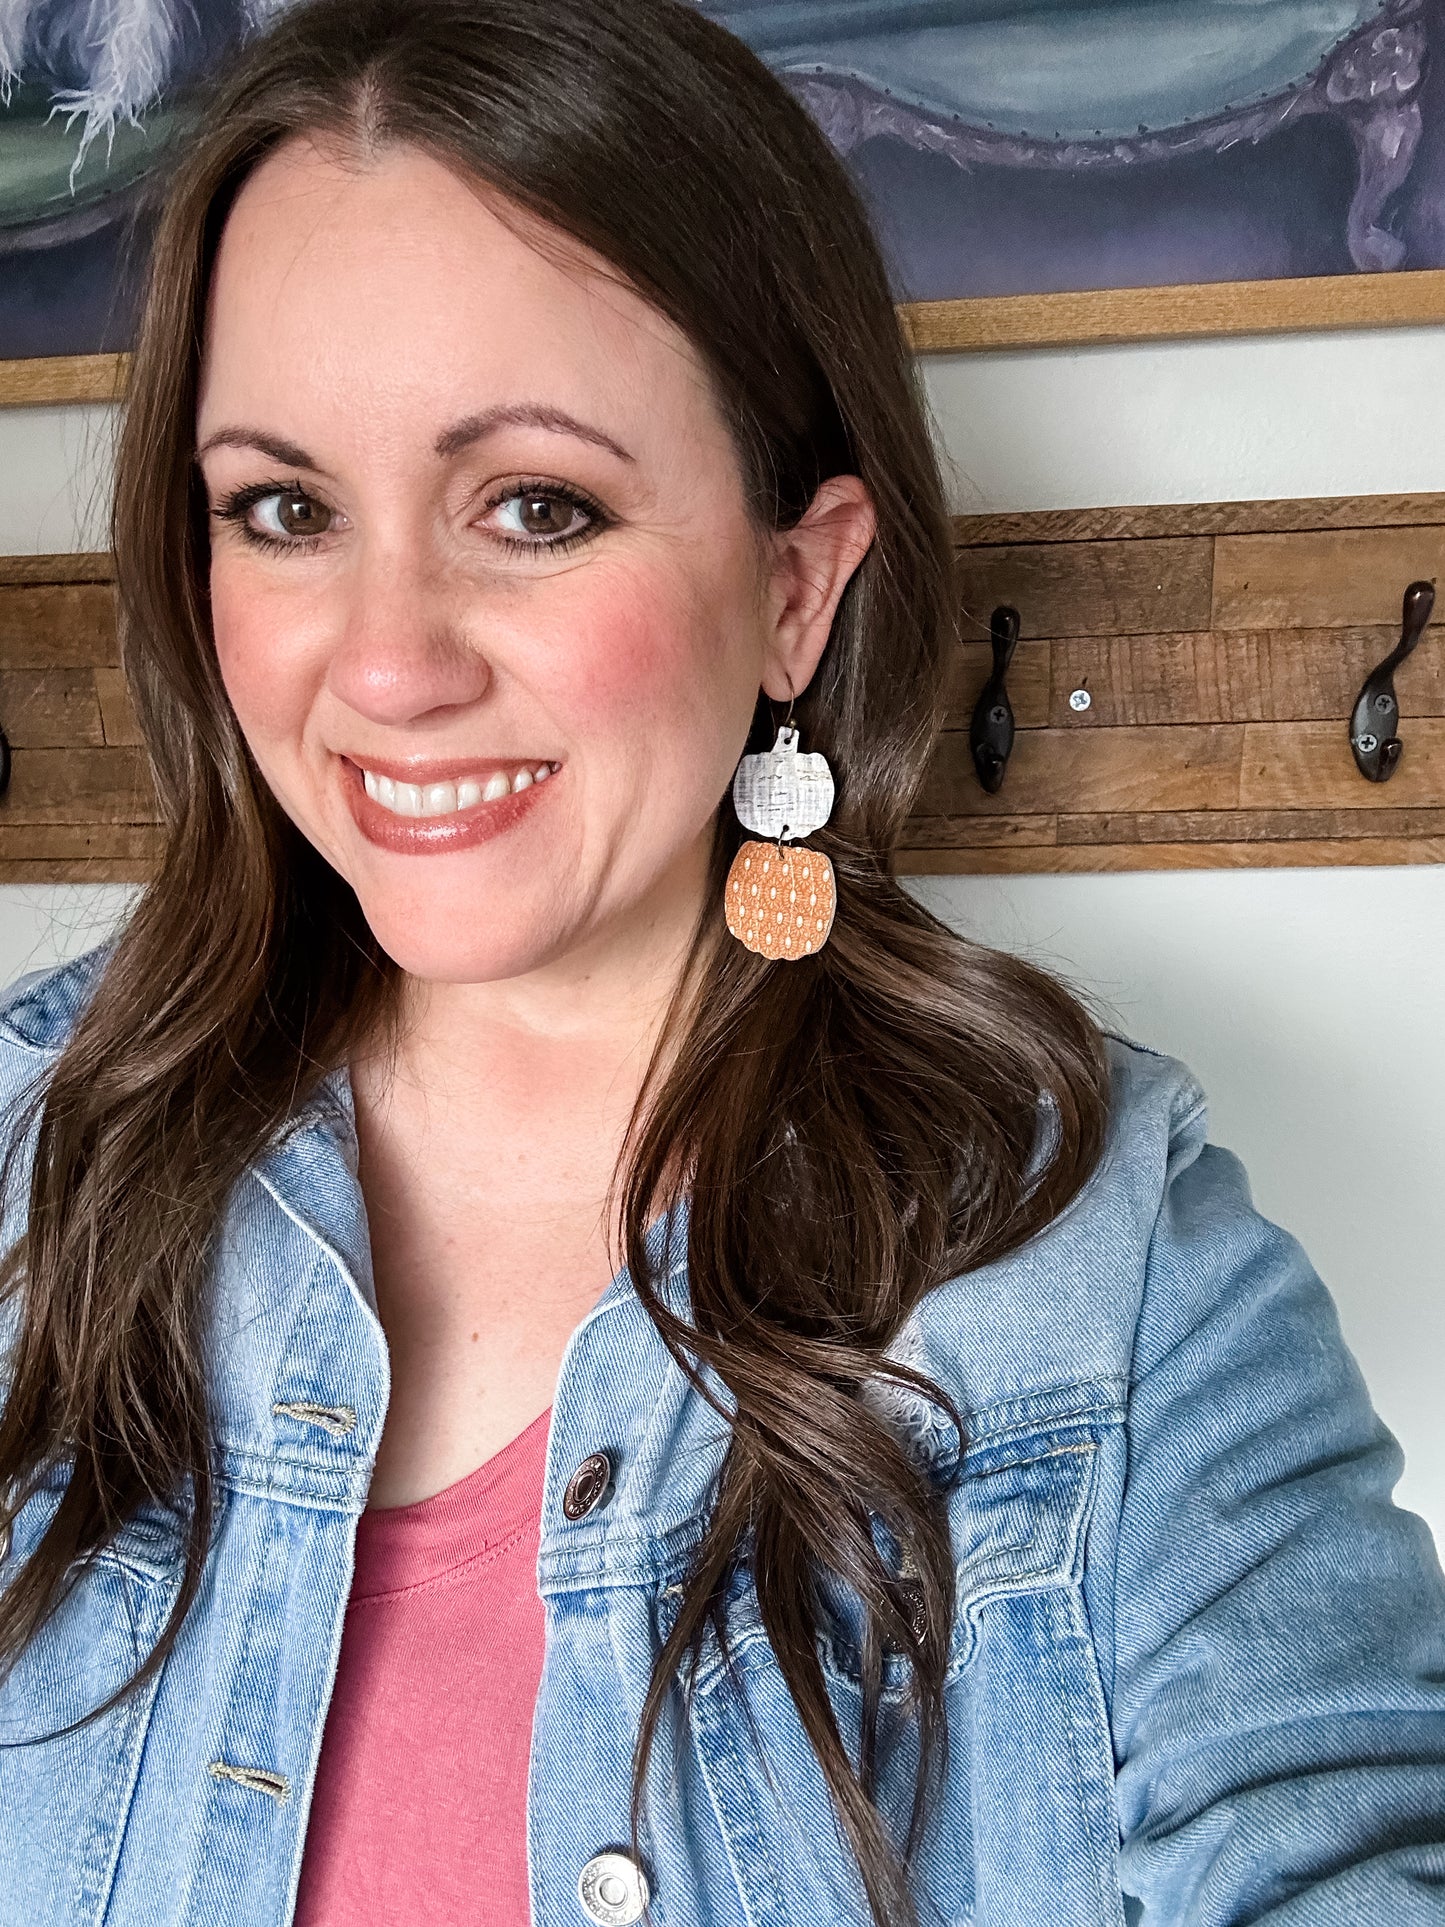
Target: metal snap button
[
  {"x": 612, "y": 1889},
  {"x": 587, "y": 1487}
]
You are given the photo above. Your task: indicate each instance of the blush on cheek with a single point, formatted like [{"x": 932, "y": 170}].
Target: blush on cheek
[
  {"x": 635, "y": 655},
  {"x": 262, "y": 673}
]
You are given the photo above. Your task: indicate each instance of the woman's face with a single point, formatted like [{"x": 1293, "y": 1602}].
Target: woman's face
[{"x": 486, "y": 598}]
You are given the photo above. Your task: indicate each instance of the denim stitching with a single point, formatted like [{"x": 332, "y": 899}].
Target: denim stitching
[
  {"x": 257, "y": 1778},
  {"x": 338, "y": 1420}
]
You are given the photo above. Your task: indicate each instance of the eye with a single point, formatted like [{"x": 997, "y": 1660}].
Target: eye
[
  {"x": 296, "y": 513},
  {"x": 553, "y": 516},
  {"x": 287, "y": 519}
]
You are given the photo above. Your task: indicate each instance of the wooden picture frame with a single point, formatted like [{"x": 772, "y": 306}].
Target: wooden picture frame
[{"x": 1406, "y": 299}]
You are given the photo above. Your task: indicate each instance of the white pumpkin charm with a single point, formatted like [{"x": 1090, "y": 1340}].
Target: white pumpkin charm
[
  {"x": 778, "y": 902},
  {"x": 781, "y": 793}
]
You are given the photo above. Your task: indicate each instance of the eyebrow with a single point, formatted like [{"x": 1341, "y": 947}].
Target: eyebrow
[{"x": 462, "y": 434}]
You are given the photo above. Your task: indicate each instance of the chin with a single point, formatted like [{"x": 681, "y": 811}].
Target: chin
[{"x": 469, "y": 942}]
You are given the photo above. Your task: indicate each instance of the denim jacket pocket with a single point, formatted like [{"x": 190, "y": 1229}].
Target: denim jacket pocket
[
  {"x": 1017, "y": 1517},
  {"x": 66, "y": 1794},
  {"x": 1017, "y": 1514}
]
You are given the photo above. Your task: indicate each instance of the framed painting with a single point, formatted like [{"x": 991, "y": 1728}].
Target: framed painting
[{"x": 1040, "y": 171}]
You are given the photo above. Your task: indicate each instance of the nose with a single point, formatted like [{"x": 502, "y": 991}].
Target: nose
[{"x": 404, "y": 650}]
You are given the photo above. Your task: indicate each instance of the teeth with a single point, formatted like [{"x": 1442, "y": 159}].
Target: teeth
[{"x": 445, "y": 799}]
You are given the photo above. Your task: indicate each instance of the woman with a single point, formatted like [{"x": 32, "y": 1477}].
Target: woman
[{"x": 960, "y": 1505}]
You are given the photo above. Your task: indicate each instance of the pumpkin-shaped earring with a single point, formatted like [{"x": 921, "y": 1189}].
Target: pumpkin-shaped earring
[{"x": 779, "y": 901}]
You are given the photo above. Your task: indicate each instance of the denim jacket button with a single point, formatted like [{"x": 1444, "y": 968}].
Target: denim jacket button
[
  {"x": 612, "y": 1889},
  {"x": 586, "y": 1490}
]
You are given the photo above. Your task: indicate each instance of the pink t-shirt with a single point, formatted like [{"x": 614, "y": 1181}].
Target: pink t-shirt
[{"x": 420, "y": 1807}]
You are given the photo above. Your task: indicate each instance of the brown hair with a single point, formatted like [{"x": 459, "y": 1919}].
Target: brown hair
[{"x": 850, "y": 1129}]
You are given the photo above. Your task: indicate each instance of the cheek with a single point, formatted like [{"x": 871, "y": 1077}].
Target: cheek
[
  {"x": 645, "y": 657},
  {"x": 266, "y": 673}
]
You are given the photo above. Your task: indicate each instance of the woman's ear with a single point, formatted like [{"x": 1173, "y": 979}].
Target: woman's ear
[{"x": 811, "y": 566}]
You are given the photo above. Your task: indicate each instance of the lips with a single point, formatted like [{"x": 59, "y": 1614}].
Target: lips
[{"x": 442, "y": 808}]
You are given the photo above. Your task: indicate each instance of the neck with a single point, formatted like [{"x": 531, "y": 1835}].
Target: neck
[{"x": 544, "y": 1066}]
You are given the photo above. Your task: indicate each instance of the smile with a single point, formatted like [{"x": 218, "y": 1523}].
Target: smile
[{"x": 431, "y": 800}]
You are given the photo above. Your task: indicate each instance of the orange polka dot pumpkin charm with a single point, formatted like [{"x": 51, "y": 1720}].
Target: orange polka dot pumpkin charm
[{"x": 779, "y": 902}]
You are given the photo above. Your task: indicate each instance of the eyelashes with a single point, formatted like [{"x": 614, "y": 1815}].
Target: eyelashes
[{"x": 235, "y": 509}]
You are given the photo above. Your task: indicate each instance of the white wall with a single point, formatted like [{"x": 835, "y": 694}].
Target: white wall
[
  {"x": 1308, "y": 1001},
  {"x": 54, "y": 479},
  {"x": 1351, "y": 413}
]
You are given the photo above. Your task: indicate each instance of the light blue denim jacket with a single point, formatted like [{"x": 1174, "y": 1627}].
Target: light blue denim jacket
[{"x": 1198, "y": 1676}]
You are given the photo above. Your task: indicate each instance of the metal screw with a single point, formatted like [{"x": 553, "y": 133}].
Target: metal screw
[
  {"x": 998, "y": 714},
  {"x": 1382, "y": 701},
  {"x": 1080, "y": 699},
  {"x": 1364, "y": 744}
]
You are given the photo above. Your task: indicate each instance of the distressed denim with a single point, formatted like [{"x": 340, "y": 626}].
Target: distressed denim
[{"x": 1198, "y": 1672}]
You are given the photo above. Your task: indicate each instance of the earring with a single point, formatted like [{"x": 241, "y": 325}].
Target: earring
[{"x": 780, "y": 902}]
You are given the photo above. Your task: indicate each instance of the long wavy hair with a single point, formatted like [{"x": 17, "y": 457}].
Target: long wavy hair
[{"x": 849, "y": 1130}]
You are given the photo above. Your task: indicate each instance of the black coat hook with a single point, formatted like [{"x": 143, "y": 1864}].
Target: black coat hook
[
  {"x": 1375, "y": 719},
  {"x": 4, "y": 762},
  {"x": 991, "y": 732}
]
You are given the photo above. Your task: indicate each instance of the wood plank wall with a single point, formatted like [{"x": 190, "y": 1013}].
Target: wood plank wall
[
  {"x": 80, "y": 808},
  {"x": 1222, "y": 645}
]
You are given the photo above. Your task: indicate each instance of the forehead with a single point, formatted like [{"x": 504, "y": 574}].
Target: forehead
[{"x": 397, "y": 273}]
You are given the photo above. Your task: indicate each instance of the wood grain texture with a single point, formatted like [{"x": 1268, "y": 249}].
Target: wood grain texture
[
  {"x": 1089, "y": 588},
  {"x": 40, "y": 380},
  {"x": 76, "y": 842},
  {"x": 81, "y": 567},
  {"x": 1232, "y": 676},
  {"x": 1269, "y": 517},
  {"x": 57, "y": 626},
  {"x": 1186, "y": 311},
  {"x": 116, "y": 714},
  {"x": 953, "y": 833},
  {"x": 1029, "y": 682},
  {"x": 63, "y": 786},
  {"x": 77, "y": 853},
  {"x": 1251, "y": 826},
  {"x": 1336, "y": 579},
  {"x": 1299, "y": 766},
  {"x": 49, "y": 708},
  {"x": 85, "y": 870},
  {"x": 1096, "y": 859},
  {"x": 1061, "y": 769}
]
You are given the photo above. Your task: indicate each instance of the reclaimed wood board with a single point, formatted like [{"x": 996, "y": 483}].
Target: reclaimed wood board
[
  {"x": 80, "y": 807},
  {"x": 1221, "y": 644}
]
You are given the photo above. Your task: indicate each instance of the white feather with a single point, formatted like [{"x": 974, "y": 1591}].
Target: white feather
[
  {"x": 126, "y": 50},
  {"x": 14, "y": 19}
]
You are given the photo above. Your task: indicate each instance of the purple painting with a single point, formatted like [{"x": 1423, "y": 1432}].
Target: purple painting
[{"x": 1004, "y": 146}]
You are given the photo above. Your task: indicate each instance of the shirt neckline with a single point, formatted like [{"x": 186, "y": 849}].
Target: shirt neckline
[{"x": 400, "y": 1547}]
